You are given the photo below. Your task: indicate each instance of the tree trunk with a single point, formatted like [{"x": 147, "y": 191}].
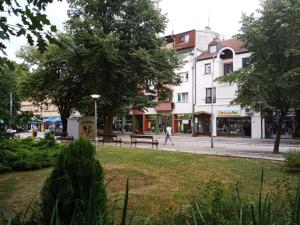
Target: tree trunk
[
  {"x": 278, "y": 133},
  {"x": 64, "y": 120},
  {"x": 108, "y": 122}
]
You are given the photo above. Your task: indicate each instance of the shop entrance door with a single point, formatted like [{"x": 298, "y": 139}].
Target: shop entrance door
[
  {"x": 203, "y": 124},
  {"x": 247, "y": 127}
]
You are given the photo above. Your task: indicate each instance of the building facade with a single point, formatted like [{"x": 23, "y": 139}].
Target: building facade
[
  {"x": 213, "y": 99},
  {"x": 178, "y": 110}
]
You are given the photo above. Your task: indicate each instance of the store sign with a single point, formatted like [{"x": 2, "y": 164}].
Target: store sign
[{"x": 229, "y": 112}]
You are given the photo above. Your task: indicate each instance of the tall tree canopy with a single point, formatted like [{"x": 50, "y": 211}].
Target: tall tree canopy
[
  {"x": 113, "y": 48},
  {"x": 9, "y": 75},
  {"x": 272, "y": 82},
  {"x": 122, "y": 50},
  {"x": 56, "y": 77}
]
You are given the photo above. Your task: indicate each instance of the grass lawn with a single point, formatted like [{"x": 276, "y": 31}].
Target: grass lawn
[{"x": 159, "y": 180}]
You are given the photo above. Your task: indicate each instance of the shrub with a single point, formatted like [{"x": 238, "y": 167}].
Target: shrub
[
  {"x": 75, "y": 187},
  {"x": 27, "y": 154},
  {"x": 48, "y": 141},
  {"x": 292, "y": 159}
]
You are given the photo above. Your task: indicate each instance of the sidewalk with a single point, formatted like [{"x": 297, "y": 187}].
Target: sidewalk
[{"x": 223, "y": 146}]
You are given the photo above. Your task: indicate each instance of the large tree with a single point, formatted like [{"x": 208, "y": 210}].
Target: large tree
[
  {"x": 56, "y": 77},
  {"x": 272, "y": 82},
  {"x": 123, "y": 50}
]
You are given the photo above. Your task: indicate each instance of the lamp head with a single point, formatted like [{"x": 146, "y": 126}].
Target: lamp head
[{"x": 95, "y": 96}]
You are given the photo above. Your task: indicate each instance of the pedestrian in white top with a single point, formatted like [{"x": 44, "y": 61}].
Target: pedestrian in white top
[{"x": 168, "y": 134}]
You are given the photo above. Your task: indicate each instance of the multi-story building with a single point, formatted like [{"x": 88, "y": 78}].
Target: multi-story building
[
  {"x": 214, "y": 98},
  {"x": 43, "y": 111},
  {"x": 178, "y": 110}
]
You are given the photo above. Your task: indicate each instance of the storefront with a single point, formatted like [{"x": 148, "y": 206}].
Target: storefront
[
  {"x": 230, "y": 123},
  {"x": 183, "y": 123},
  {"x": 150, "y": 123},
  {"x": 290, "y": 125}
]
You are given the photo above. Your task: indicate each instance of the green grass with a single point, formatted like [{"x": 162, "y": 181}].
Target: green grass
[{"x": 158, "y": 180}]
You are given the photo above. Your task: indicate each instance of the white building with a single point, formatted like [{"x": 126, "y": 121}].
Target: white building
[
  {"x": 222, "y": 57},
  {"x": 177, "y": 110}
]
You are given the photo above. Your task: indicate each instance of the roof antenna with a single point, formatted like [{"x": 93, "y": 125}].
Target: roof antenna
[{"x": 207, "y": 28}]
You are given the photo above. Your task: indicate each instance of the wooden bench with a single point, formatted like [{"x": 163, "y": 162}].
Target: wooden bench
[
  {"x": 110, "y": 138},
  {"x": 145, "y": 139},
  {"x": 63, "y": 139}
]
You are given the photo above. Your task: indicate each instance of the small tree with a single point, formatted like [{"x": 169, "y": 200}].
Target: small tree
[
  {"x": 75, "y": 189},
  {"x": 272, "y": 82}
]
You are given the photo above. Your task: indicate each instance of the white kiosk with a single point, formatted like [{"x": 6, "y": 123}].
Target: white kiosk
[{"x": 82, "y": 127}]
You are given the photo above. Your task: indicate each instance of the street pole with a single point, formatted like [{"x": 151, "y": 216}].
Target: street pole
[
  {"x": 212, "y": 103},
  {"x": 95, "y": 97},
  {"x": 96, "y": 124}
]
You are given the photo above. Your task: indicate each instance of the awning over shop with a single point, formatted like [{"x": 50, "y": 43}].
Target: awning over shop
[
  {"x": 52, "y": 120},
  {"x": 164, "y": 106}
]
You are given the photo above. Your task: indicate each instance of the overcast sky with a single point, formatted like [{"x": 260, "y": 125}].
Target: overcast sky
[{"x": 223, "y": 16}]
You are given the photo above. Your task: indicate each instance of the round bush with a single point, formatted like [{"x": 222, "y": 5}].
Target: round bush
[{"x": 75, "y": 188}]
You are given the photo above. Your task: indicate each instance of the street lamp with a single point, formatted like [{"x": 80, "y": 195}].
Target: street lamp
[
  {"x": 212, "y": 102},
  {"x": 95, "y": 97}
]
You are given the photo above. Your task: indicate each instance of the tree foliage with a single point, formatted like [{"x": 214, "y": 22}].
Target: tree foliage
[
  {"x": 272, "y": 82},
  {"x": 123, "y": 51},
  {"x": 9, "y": 77},
  {"x": 56, "y": 77},
  {"x": 31, "y": 22}
]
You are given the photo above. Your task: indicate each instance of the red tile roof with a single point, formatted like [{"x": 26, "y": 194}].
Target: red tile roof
[{"x": 237, "y": 45}]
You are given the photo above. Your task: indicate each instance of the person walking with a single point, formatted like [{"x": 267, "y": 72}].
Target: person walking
[{"x": 168, "y": 135}]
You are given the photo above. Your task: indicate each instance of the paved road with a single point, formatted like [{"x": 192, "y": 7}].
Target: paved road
[{"x": 223, "y": 146}]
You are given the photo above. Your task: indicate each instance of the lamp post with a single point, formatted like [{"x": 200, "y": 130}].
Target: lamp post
[
  {"x": 95, "y": 97},
  {"x": 212, "y": 102}
]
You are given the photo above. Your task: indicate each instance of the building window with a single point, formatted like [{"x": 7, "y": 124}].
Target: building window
[
  {"x": 184, "y": 76},
  {"x": 207, "y": 68},
  {"x": 182, "y": 97},
  {"x": 209, "y": 95},
  {"x": 184, "y": 38},
  {"x": 245, "y": 62},
  {"x": 212, "y": 48},
  {"x": 228, "y": 68}
]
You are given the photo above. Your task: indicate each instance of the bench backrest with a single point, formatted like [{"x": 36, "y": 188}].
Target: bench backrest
[
  {"x": 141, "y": 136},
  {"x": 108, "y": 135}
]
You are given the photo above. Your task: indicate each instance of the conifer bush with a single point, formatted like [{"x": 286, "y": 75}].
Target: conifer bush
[{"x": 75, "y": 187}]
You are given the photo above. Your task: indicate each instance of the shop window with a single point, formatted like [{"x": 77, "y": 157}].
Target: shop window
[
  {"x": 182, "y": 97},
  {"x": 210, "y": 95},
  {"x": 228, "y": 68},
  {"x": 207, "y": 68}
]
